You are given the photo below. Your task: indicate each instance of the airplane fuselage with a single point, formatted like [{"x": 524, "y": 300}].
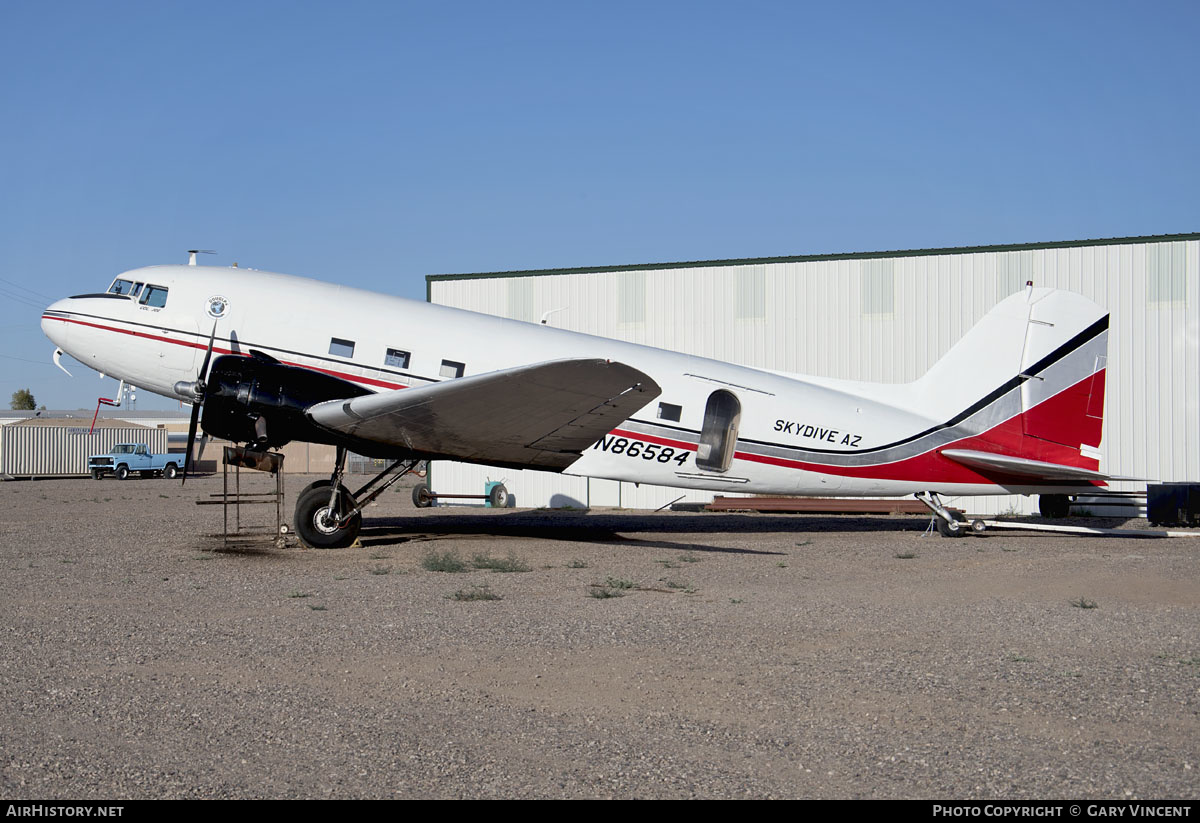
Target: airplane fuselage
[{"x": 784, "y": 434}]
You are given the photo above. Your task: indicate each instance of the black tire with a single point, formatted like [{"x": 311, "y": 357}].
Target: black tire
[
  {"x": 122, "y": 472},
  {"x": 318, "y": 484},
  {"x": 97, "y": 474},
  {"x": 944, "y": 528},
  {"x": 1054, "y": 506},
  {"x": 171, "y": 471},
  {"x": 311, "y": 508},
  {"x": 422, "y": 499},
  {"x": 498, "y": 496}
]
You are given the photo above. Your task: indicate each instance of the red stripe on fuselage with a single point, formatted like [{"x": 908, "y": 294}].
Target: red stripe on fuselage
[
  {"x": 370, "y": 381},
  {"x": 1007, "y": 438}
]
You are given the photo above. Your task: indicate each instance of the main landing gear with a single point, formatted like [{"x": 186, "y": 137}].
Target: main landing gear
[
  {"x": 949, "y": 524},
  {"x": 328, "y": 516}
]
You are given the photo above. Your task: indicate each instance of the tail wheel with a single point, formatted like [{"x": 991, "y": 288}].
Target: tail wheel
[
  {"x": 317, "y": 525},
  {"x": 422, "y": 498},
  {"x": 944, "y": 528}
]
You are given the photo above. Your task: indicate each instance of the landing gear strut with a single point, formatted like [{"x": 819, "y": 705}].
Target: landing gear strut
[
  {"x": 328, "y": 516},
  {"x": 949, "y": 524}
]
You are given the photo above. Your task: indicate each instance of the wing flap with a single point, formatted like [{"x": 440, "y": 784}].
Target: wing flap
[{"x": 541, "y": 415}]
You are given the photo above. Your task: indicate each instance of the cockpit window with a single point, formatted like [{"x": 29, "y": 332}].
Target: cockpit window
[
  {"x": 154, "y": 296},
  {"x": 120, "y": 286}
]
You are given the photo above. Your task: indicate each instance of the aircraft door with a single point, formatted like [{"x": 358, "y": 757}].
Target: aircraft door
[{"x": 718, "y": 437}]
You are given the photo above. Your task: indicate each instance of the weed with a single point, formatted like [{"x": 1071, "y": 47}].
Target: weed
[
  {"x": 317, "y": 608},
  {"x": 341, "y": 577},
  {"x": 444, "y": 562},
  {"x": 475, "y": 593},
  {"x": 1016, "y": 658},
  {"x": 781, "y": 565},
  {"x": 667, "y": 564},
  {"x": 577, "y": 564},
  {"x": 298, "y": 593},
  {"x": 689, "y": 558},
  {"x": 736, "y": 600},
  {"x": 905, "y": 555},
  {"x": 1006, "y": 549},
  {"x": 805, "y": 543},
  {"x": 603, "y": 592},
  {"x": 499, "y": 564},
  {"x": 675, "y": 584},
  {"x": 1084, "y": 603},
  {"x": 618, "y": 583},
  {"x": 163, "y": 497},
  {"x": 379, "y": 556},
  {"x": 381, "y": 569}
]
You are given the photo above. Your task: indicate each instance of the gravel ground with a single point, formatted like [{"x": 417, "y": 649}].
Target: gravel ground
[{"x": 751, "y": 656}]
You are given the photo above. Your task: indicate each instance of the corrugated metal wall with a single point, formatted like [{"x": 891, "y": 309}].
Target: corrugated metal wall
[
  {"x": 888, "y": 319},
  {"x": 32, "y": 450}
]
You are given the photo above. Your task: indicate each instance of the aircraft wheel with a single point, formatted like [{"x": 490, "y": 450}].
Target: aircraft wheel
[
  {"x": 1054, "y": 506},
  {"x": 313, "y": 526},
  {"x": 498, "y": 497},
  {"x": 422, "y": 499},
  {"x": 944, "y": 528},
  {"x": 122, "y": 472},
  {"x": 171, "y": 471}
]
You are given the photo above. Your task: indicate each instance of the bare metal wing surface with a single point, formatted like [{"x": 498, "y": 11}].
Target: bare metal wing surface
[{"x": 541, "y": 415}]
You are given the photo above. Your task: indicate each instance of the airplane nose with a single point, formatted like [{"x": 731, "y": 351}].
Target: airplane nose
[{"x": 53, "y": 322}]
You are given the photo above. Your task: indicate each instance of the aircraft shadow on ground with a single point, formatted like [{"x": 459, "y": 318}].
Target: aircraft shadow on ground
[{"x": 616, "y": 529}]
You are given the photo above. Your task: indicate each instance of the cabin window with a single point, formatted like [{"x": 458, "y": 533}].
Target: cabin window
[
  {"x": 669, "y": 411},
  {"x": 451, "y": 369},
  {"x": 719, "y": 434},
  {"x": 341, "y": 348},
  {"x": 397, "y": 358},
  {"x": 154, "y": 296}
]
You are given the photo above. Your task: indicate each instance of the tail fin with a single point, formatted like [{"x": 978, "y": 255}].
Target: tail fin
[{"x": 1029, "y": 377}]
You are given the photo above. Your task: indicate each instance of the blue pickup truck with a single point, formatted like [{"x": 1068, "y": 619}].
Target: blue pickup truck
[{"x": 126, "y": 458}]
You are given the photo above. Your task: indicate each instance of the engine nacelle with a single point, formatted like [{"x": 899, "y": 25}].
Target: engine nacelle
[{"x": 257, "y": 399}]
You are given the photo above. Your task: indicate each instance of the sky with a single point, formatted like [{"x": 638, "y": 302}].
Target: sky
[{"x": 373, "y": 143}]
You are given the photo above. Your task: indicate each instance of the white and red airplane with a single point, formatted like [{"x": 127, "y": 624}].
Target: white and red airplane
[{"x": 1016, "y": 406}]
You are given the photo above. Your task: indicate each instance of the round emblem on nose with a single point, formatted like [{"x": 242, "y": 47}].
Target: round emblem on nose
[{"x": 217, "y": 306}]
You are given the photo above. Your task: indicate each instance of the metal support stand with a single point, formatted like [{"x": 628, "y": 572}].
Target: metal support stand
[{"x": 242, "y": 457}]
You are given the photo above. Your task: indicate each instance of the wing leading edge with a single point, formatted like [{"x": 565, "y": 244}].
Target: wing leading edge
[{"x": 541, "y": 416}]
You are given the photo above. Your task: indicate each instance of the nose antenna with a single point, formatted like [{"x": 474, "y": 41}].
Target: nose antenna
[{"x": 193, "y": 252}]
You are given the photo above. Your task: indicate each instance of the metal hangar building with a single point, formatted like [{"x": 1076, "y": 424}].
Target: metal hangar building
[{"x": 877, "y": 316}]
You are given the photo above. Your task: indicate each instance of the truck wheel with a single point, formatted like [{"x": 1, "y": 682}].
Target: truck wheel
[
  {"x": 313, "y": 526},
  {"x": 1054, "y": 506},
  {"x": 97, "y": 474},
  {"x": 122, "y": 472},
  {"x": 422, "y": 499},
  {"x": 170, "y": 471}
]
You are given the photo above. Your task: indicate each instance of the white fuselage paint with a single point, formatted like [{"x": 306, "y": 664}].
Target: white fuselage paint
[{"x": 293, "y": 319}]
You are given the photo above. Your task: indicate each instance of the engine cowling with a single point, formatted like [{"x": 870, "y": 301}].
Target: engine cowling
[{"x": 258, "y": 399}]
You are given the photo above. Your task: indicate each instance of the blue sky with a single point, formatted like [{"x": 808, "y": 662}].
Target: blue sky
[{"x": 373, "y": 143}]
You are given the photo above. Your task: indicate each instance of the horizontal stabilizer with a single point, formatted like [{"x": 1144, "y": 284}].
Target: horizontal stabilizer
[
  {"x": 541, "y": 415},
  {"x": 1023, "y": 467}
]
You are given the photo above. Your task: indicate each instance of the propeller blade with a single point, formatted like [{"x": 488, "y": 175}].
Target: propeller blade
[
  {"x": 187, "y": 463},
  {"x": 212, "y": 338},
  {"x": 197, "y": 402}
]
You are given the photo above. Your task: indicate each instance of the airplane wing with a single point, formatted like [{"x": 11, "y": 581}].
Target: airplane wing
[
  {"x": 1023, "y": 467},
  {"x": 542, "y": 415}
]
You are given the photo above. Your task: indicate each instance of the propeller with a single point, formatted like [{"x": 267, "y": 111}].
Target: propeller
[{"x": 195, "y": 391}]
